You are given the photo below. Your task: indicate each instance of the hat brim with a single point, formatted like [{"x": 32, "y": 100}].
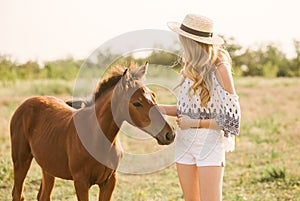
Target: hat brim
[{"x": 215, "y": 40}]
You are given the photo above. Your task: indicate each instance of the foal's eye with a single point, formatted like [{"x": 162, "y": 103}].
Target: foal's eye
[{"x": 137, "y": 104}]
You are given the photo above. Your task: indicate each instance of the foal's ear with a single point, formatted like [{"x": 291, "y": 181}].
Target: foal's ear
[
  {"x": 141, "y": 71},
  {"x": 125, "y": 71},
  {"x": 126, "y": 75},
  {"x": 125, "y": 79}
]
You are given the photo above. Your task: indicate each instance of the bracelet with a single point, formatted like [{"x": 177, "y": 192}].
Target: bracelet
[{"x": 199, "y": 123}]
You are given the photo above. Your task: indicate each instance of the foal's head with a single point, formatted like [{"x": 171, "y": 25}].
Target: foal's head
[{"x": 135, "y": 103}]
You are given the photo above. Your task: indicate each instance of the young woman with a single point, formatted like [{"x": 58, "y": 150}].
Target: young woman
[{"x": 208, "y": 111}]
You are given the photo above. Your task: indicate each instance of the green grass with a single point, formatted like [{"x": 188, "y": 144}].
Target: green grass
[{"x": 264, "y": 167}]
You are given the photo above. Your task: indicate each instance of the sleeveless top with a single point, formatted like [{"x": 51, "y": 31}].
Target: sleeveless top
[{"x": 223, "y": 107}]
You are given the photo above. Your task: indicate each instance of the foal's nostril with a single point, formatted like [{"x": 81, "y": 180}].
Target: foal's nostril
[{"x": 169, "y": 136}]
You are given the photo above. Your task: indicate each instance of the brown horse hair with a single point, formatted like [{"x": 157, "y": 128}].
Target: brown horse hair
[{"x": 112, "y": 78}]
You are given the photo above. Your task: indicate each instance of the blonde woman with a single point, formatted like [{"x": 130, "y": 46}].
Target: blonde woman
[{"x": 208, "y": 111}]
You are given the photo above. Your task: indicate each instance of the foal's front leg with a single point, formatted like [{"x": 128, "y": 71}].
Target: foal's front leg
[
  {"x": 46, "y": 187},
  {"x": 107, "y": 188},
  {"x": 82, "y": 189}
]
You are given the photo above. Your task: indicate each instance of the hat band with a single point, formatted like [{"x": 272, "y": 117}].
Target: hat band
[{"x": 195, "y": 32}]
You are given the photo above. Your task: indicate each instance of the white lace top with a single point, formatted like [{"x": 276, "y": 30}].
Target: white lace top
[{"x": 223, "y": 107}]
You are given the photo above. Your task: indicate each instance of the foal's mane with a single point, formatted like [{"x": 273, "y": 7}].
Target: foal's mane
[
  {"x": 131, "y": 78},
  {"x": 114, "y": 76}
]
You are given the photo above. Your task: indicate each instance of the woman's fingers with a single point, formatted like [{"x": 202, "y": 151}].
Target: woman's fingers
[{"x": 183, "y": 121}]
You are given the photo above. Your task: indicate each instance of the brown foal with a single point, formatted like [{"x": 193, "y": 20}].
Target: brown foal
[{"x": 82, "y": 145}]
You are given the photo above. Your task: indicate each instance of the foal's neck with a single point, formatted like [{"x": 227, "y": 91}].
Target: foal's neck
[{"x": 105, "y": 118}]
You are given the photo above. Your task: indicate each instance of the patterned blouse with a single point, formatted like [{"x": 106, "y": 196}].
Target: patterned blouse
[{"x": 223, "y": 107}]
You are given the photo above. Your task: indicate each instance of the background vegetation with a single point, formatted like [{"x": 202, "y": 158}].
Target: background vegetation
[{"x": 265, "y": 60}]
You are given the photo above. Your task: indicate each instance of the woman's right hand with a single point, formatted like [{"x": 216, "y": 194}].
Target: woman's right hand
[{"x": 185, "y": 122}]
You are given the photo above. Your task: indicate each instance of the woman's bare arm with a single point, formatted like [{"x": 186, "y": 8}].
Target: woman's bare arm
[
  {"x": 185, "y": 122},
  {"x": 170, "y": 110}
]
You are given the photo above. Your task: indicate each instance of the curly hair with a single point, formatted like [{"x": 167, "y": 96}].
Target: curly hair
[{"x": 199, "y": 63}]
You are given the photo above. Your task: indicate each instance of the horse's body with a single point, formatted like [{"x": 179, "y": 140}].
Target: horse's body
[{"x": 57, "y": 136}]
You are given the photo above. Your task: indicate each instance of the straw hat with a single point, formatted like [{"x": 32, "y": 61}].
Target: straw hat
[{"x": 198, "y": 28}]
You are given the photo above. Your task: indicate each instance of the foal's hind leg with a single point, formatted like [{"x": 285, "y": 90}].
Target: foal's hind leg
[
  {"x": 22, "y": 158},
  {"x": 46, "y": 187}
]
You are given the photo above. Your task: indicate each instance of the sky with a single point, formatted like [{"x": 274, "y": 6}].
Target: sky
[{"x": 43, "y": 30}]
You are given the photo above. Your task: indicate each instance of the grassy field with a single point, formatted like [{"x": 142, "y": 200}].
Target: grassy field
[{"x": 264, "y": 167}]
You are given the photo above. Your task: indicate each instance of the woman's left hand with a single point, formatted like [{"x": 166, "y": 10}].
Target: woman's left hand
[{"x": 184, "y": 122}]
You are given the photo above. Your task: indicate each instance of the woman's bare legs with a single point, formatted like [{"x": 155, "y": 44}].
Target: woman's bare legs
[
  {"x": 188, "y": 178},
  {"x": 210, "y": 182},
  {"x": 201, "y": 182}
]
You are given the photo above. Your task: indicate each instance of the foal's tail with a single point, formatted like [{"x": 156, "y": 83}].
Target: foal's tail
[{"x": 79, "y": 103}]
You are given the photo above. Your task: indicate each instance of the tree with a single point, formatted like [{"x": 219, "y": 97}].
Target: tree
[
  {"x": 64, "y": 69},
  {"x": 29, "y": 70},
  {"x": 7, "y": 69},
  {"x": 295, "y": 62}
]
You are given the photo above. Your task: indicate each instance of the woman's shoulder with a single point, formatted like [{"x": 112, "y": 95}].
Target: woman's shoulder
[{"x": 224, "y": 76}]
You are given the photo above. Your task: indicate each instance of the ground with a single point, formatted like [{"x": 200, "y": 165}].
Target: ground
[{"x": 264, "y": 167}]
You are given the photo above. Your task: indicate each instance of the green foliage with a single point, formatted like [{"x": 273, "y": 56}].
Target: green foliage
[
  {"x": 66, "y": 69},
  {"x": 273, "y": 175},
  {"x": 8, "y": 69},
  {"x": 165, "y": 58},
  {"x": 161, "y": 58},
  {"x": 270, "y": 70},
  {"x": 29, "y": 70},
  {"x": 266, "y": 60}
]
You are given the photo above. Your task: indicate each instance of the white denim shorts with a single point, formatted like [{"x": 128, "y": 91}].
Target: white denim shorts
[{"x": 202, "y": 147}]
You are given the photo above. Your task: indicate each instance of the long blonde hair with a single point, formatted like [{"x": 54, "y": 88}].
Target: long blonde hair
[{"x": 199, "y": 63}]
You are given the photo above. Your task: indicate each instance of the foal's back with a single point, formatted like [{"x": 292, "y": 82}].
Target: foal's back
[
  {"x": 41, "y": 116},
  {"x": 44, "y": 125}
]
